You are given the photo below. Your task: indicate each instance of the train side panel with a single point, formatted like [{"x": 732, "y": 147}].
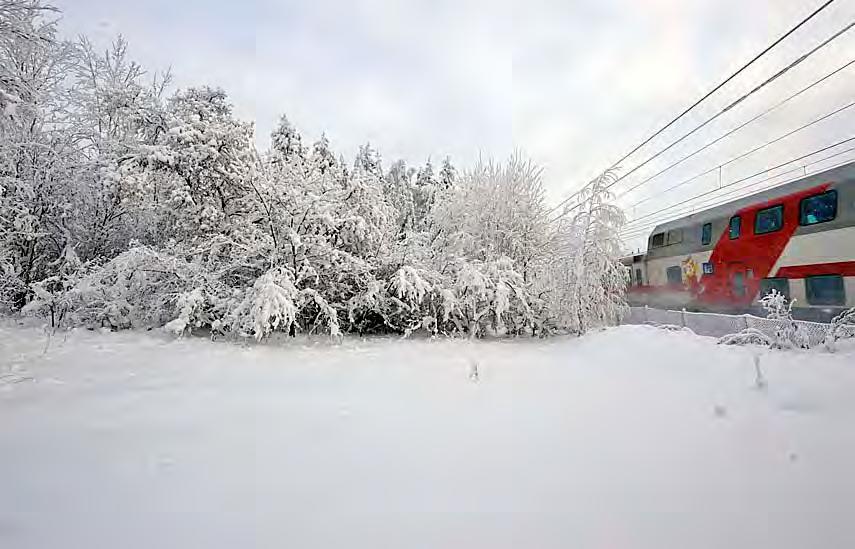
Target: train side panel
[{"x": 799, "y": 239}]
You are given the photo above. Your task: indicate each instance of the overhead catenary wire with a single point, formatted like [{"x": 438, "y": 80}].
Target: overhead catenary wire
[
  {"x": 737, "y": 128},
  {"x": 713, "y": 202},
  {"x": 703, "y": 98},
  {"x": 634, "y": 232},
  {"x": 716, "y": 200},
  {"x": 717, "y": 189},
  {"x": 798, "y": 60},
  {"x": 710, "y": 202},
  {"x": 748, "y": 153},
  {"x": 742, "y": 98}
]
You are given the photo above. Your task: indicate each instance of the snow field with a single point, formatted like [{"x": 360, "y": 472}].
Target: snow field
[{"x": 631, "y": 437}]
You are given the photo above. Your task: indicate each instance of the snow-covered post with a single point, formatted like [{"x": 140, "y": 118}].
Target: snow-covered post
[{"x": 683, "y": 317}]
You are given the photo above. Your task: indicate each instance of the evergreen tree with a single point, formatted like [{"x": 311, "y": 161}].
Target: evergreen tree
[
  {"x": 322, "y": 159},
  {"x": 286, "y": 141},
  {"x": 447, "y": 174},
  {"x": 368, "y": 160}
]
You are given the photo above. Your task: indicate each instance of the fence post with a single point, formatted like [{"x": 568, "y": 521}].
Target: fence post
[
  {"x": 646, "y": 314},
  {"x": 683, "y": 317},
  {"x": 745, "y": 320}
]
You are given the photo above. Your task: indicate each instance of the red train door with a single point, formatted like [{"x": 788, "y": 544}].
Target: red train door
[{"x": 740, "y": 279}]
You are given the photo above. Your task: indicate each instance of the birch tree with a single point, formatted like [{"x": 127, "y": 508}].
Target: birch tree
[{"x": 599, "y": 278}]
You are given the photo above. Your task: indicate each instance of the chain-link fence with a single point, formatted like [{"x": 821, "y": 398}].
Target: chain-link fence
[{"x": 718, "y": 325}]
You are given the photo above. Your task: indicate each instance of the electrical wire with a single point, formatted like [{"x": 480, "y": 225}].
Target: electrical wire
[
  {"x": 716, "y": 201},
  {"x": 706, "y": 96},
  {"x": 748, "y": 153},
  {"x": 737, "y": 128},
  {"x": 823, "y": 149}
]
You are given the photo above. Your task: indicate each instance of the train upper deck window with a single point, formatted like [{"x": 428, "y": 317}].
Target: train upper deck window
[
  {"x": 706, "y": 234},
  {"x": 675, "y": 236},
  {"x": 735, "y": 227},
  {"x": 825, "y": 290},
  {"x": 658, "y": 240},
  {"x": 818, "y": 208},
  {"x": 769, "y": 220}
]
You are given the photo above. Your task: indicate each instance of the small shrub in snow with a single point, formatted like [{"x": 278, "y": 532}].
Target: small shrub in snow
[
  {"x": 841, "y": 327},
  {"x": 788, "y": 335},
  {"x": 748, "y": 336},
  {"x": 671, "y": 327}
]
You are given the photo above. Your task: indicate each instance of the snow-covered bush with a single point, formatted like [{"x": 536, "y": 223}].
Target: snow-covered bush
[
  {"x": 842, "y": 327},
  {"x": 788, "y": 335},
  {"x": 141, "y": 287},
  {"x": 273, "y": 304},
  {"x": 122, "y": 207},
  {"x": 748, "y": 336}
]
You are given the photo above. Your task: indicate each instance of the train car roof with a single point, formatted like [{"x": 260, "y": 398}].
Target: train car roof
[{"x": 845, "y": 172}]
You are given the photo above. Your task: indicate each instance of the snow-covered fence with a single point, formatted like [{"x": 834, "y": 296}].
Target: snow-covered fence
[{"x": 718, "y": 325}]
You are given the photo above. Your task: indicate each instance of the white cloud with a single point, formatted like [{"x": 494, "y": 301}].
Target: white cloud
[{"x": 574, "y": 84}]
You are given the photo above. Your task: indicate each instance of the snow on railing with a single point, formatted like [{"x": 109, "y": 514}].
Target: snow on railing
[{"x": 718, "y": 325}]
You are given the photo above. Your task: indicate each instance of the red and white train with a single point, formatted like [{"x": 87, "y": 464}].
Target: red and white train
[{"x": 798, "y": 238}]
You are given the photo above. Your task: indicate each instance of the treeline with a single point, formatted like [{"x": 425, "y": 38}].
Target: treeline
[{"x": 123, "y": 205}]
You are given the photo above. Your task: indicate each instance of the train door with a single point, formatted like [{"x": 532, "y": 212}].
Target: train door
[{"x": 739, "y": 275}]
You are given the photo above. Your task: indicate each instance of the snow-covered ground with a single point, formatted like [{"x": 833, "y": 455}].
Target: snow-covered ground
[{"x": 633, "y": 437}]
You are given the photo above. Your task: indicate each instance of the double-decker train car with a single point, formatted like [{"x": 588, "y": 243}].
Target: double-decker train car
[{"x": 798, "y": 238}]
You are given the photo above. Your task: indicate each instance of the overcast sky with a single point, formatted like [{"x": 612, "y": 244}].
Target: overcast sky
[{"x": 572, "y": 83}]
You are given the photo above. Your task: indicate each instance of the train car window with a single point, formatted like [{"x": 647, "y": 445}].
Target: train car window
[
  {"x": 658, "y": 240},
  {"x": 708, "y": 268},
  {"x": 782, "y": 285},
  {"x": 706, "y": 234},
  {"x": 825, "y": 290},
  {"x": 675, "y": 236},
  {"x": 675, "y": 275},
  {"x": 638, "y": 280},
  {"x": 735, "y": 227},
  {"x": 818, "y": 208},
  {"x": 769, "y": 220}
]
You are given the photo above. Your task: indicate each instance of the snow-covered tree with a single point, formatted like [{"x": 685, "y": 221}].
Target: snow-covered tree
[
  {"x": 424, "y": 194},
  {"x": 368, "y": 161},
  {"x": 286, "y": 141},
  {"x": 117, "y": 112},
  {"x": 599, "y": 278},
  {"x": 36, "y": 150},
  {"x": 123, "y": 207},
  {"x": 398, "y": 189},
  {"x": 447, "y": 174},
  {"x": 322, "y": 158}
]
